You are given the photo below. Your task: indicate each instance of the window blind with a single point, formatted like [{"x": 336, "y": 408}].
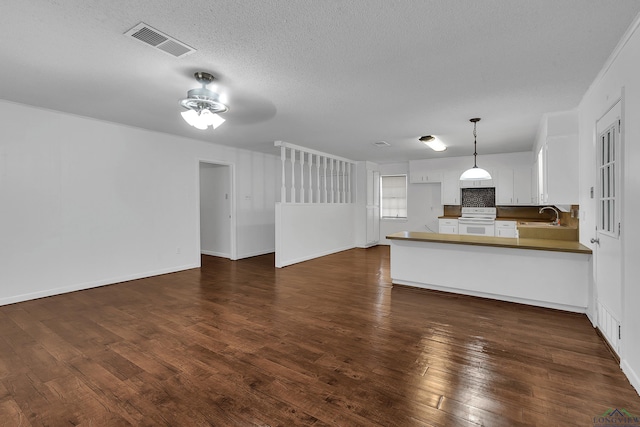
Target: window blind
[{"x": 393, "y": 196}]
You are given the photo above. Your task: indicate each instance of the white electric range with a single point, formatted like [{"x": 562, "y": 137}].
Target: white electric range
[{"x": 477, "y": 221}]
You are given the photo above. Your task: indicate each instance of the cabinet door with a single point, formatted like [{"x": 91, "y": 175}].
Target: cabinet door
[
  {"x": 451, "y": 188},
  {"x": 505, "y": 232},
  {"x": 504, "y": 187},
  {"x": 448, "y": 229},
  {"x": 422, "y": 177},
  {"x": 522, "y": 186},
  {"x": 534, "y": 183},
  {"x": 416, "y": 178},
  {"x": 562, "y": 172}
]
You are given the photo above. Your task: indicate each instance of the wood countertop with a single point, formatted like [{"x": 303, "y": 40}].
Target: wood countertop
[
  {"x": 502, "y": 242},
  {"x": 508, "y": 218}
]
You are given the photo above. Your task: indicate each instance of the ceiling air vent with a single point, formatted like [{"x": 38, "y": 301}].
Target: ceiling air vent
[
  {"x": 152, "y": 37},
  {"x": 382, "y": 144}
]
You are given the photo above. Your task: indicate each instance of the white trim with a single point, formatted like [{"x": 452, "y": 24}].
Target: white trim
[
  {"x": 308, "y": 150},
  {"x": 217, "y": 254},
  {"x": 614, "y": 55},
  {"x": 256, "y": 253},
  {"x": 313, "y": 256},
  {"x": 95, "y": 284},
  {"x": 632, "y": 375}
]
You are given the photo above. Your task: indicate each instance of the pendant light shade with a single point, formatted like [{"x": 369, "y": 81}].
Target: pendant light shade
[{"x": 475, "y": 173}]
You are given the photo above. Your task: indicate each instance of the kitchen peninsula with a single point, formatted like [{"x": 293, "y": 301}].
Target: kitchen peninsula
[{"x": 545, "y": 273}]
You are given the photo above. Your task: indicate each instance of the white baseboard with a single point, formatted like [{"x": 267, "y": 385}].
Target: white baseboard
[
  {"x": 214, "y": 253},
  {"x": 632, "y": 375},
  {"x": 313, "y": 256},
  {"x": 88, "y": 285},
  {"x": 544, "y": 304},
  {"x": 256, "y": 253}
]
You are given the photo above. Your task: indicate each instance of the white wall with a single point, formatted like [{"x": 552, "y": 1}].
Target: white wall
[
  {"x": 621, "y": 73},
  {"x": 85, "y": 203},
  {"x": 215, "y": 210},
  {"x": 310, "y": 230}
]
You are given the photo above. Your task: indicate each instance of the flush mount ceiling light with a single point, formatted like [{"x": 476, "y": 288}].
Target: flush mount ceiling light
[
  {"x": 432, "y": 142},
  {"x": 475, "y": 173},
  {"x": 203, "y": 105}
]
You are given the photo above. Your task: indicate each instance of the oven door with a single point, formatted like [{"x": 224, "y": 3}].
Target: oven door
[{"x": 474, "y": 227}]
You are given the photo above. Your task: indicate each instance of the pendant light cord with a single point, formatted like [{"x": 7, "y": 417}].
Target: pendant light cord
[{"x": 475, "y": 144}]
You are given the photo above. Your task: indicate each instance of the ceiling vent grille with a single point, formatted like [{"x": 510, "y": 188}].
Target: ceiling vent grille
[{"x": 161, "y": 41}]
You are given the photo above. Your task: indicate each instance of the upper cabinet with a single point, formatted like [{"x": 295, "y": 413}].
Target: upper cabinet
[
  {"x": 450, "y": 191},
  {"x": 558, "y": 173},
  {"x": 513, "y": 187},
  {"x": 424, "y": 177}
]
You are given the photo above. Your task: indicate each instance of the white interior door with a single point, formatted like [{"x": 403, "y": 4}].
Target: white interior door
[{"x": 608, "y": 247}]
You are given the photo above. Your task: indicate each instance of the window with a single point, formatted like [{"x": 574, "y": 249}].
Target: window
[
  {"x": 393, "y": 196},
  {"x": 607, "y": 173}
]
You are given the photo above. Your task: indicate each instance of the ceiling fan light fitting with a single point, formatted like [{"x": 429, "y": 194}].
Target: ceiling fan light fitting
[{"x": 203, "y": 105}]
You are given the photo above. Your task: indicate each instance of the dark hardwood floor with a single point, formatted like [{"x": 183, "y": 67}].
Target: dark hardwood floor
[{"x": 325, "y": 342}]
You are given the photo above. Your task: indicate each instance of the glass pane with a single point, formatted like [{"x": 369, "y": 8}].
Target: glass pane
[
  {"x": 601, "y": 160},
  {"x": 612, "y": 179},
  {"x": 613, "y": 145}
]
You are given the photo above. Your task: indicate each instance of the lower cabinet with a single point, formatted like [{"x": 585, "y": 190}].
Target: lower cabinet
[
  {"x": 506, "y": 229},
  {"x": 448, "y": 226}
]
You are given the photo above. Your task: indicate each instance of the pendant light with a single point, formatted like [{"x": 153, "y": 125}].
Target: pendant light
[{"x": 475, "y": 173}]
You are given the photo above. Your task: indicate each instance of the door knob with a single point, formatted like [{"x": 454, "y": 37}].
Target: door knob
[{"x": 594, "y": 240}]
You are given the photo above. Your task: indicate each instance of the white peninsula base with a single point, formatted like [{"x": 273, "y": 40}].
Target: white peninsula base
[{"x": 542, "y": 278}]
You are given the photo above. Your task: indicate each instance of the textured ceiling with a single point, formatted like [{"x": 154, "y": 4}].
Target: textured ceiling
[{"x": 331, "y": 75}]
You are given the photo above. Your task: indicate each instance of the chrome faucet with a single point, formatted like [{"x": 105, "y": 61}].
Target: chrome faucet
[{"x": 555, "y": 221}]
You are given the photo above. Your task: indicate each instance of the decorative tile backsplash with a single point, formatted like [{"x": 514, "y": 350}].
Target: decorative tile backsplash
[{"x": 479, "y": 197}]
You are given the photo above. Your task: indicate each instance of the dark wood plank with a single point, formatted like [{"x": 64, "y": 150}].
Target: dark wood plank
[{"x": 325, "y": 342}]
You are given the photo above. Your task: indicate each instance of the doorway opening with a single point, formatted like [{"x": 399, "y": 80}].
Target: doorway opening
[{"x": 217, "y": 221}]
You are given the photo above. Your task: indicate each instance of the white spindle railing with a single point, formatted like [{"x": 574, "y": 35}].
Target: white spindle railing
[{"x": 333, "y": 174}]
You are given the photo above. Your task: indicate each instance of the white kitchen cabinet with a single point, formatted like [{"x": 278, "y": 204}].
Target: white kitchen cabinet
[
  {"x": 422, "y": 177},
  {"x": 513, "y": 187},
  {"x": 506, "y": 228},
  {"x": 534, "y": 183},
  {"x": 447, "y": 226},
  {"x": 522, "y": 186},
  {"x": 562, "y": 172},
  {"x": 504, "y": 187},
  {"x": 451, "y": 188},
  {"x": 558, "y": 169}
]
